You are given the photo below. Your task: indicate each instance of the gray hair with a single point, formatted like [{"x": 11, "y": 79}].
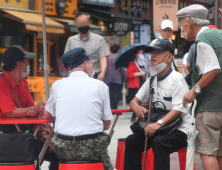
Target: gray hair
[{"x": 199, "y": 21}]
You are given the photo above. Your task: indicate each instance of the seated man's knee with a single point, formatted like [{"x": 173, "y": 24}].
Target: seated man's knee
[
  {"x": 130, "y": 140},
  {"x": 157, "y": 143}
]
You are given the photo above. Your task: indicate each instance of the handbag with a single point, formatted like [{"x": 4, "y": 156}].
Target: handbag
[
  {"x": 18, "y": 147},
  {"x": 157, "y": 113}
]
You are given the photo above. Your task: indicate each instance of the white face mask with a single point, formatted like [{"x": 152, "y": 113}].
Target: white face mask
[
  {"x": 140, "y": 60},
  {"x": 184, "y": 34},
  {"x": 25, "y": 74},
  {"x": 93, "y": 73},
  {"x": 160, "y": 67}
]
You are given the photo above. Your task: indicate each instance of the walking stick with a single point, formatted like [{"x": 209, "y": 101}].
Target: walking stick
[{"x": 148, "y": 122}]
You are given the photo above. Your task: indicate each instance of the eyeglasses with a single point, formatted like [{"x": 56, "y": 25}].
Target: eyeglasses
[{"x": 167, "y": 30}]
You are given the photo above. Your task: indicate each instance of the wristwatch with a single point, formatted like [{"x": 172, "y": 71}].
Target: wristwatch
[
  {"x": 160, "y": 122},
  {"x": 197, "y": 89}
]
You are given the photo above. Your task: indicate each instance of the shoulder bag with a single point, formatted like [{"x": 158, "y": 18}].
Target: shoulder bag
[{"x": 157, "y": 113}]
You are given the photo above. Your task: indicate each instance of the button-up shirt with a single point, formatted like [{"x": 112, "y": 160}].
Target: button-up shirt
[
  {"x": 79, "y": 104},
  {"x": 93, "y": 45},
  {"x": 7, "y": 99},
  {"x": 206, "y": 57},
  {"x": 170, "y": 90}
]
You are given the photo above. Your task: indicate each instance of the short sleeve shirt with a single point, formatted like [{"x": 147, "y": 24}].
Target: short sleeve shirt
[
  {"x": 7, "y": 99},
  {"x": 170, "y": 90},
  {"x": 94, "y": 45},
  {"x": 79, "y": 104},
  {"x": 206, "y": 57}
]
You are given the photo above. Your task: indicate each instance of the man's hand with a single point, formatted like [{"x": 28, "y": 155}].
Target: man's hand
[
  {"x": 32, "y": 113},
  {"x": 151, "y": 129},
  {"x": 189, "y": 97},
  {"x": 40, "y": 108},
  {"x": 140, "y": 112},
  {"x": 101, "y": 77}
]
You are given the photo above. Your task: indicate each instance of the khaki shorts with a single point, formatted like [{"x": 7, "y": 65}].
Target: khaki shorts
[{"x": 209, "y": 138}]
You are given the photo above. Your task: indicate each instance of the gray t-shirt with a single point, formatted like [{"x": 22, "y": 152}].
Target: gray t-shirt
[
  {"x": 94, "y": 45},
  {"x": 191, "y": 53}
]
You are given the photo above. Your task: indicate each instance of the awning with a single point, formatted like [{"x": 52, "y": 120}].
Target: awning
[
  {"x": 72, "y": 25},
  {"x": 33, "y": 21}
]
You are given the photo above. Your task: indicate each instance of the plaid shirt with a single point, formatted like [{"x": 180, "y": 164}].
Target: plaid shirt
[{"x": 94, "y": 45}]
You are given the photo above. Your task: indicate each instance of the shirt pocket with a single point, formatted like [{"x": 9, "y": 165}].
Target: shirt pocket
[
  {"x": 169, "y": 99},
  {"x": 92, "y": 51}
]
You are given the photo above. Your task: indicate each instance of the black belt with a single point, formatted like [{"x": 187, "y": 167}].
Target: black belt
[{"x": 83, "y": 137}]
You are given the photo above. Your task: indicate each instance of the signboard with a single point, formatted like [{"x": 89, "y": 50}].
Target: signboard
[
  {"x": 136, "y": 30},
  {"x": 20, "y": 4},
  {"x": 211, "y": 15},
  {"x": 64, "y": 8},
  {"x": 178, "y": 62},
  {"x": 162, "y": 10},
  {"x": 120, "y": 27},
  {"x": 132, "y": 37},
  {"x": 134, "y": 7},
  {"x": 107, "y": 3},
  {"x": 145, "y": 34}
]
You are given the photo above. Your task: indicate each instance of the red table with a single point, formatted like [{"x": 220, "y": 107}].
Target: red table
[{"x": 37, "y": 121}]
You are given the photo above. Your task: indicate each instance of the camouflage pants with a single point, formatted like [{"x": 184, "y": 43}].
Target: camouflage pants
[{"x": 83, "y": 150}]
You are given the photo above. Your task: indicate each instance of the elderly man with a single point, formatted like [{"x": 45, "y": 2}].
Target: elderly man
[
  {"x": 93, "y": 44},
  {"x": 206, "y": 82},
  {"x": 81, "y": 108},
  {"x": 169, "y": 88},
  {"x": 15, "y": 98},
  {"x": 166, "y": 32}
]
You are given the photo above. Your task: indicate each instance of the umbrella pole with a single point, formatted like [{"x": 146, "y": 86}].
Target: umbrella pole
[
  {"x": 46, "y": 67},
  {"x": 148, "y": 122}
]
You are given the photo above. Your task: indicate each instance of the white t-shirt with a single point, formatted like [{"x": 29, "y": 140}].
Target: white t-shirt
[
  {"x": 169, "y": 89},
  {"x": 79, "y": 104},
  {"x": 184, "y": 65},
  {"x": 206, "y": 58}
]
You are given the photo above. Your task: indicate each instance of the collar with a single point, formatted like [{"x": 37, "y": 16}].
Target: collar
[
  {"x": 89, "y": 36},
  {"x": 11, "y": 80},
  {"x": 78, "y": 73},
  {"x": 202, "y": 30},
  {"x": 165, "y": 76}
]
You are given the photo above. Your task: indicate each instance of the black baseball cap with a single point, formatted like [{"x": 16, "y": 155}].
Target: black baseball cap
[
  {"x": 16, "y": 53},
  {"x": 75, "y": 57},
  {"x": 161, "y": 45}
]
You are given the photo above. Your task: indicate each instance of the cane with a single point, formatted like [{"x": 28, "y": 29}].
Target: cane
[{"x": 148, "y": 122}]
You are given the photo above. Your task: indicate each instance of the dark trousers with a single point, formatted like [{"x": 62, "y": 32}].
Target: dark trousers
[
  {"x": 115, "y": 94},
  {"x": 131, "y": 94},
  {"x": 162, "y": 147}
]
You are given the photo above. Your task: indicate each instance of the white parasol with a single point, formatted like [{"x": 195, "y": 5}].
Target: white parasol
[{"x": 191, "y": 136}]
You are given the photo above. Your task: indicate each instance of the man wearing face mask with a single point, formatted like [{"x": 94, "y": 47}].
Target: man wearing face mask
[
  {"x": 93, "y": 44},
  {"x": 15, "y": 69},
  {"x": 206, "y": 83},
  {"x": 81, "y": 108},
  {"x": 166, "y": 32},
  {"x": 169, "y": 88}
]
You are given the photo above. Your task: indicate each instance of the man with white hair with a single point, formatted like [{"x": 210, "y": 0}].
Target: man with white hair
[
  {"x": 81, "y": 108},
  {"x": 166, "y": 32},
  {"x": 206, "y": 82}
]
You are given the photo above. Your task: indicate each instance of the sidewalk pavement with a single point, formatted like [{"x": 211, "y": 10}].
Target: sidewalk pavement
[{"x": 122, "y": 130}]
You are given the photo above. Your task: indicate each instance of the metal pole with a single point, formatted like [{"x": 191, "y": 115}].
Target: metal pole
[
  {"x": 46, "y": 67},
  {"x": 216, "y": 12}
]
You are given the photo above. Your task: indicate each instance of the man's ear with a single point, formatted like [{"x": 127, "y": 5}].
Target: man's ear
[
  {"x": 170, "y": 58},
  {"x": 18, "y": 63}
]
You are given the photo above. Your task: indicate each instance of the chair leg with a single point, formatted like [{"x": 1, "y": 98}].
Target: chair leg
[{"x": 182, "y": 159}]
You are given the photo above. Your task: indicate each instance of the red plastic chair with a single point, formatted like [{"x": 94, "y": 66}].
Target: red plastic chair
[
  {"x": 81, "y": 165},
  {"x": 120, "y": 157},
  {"x": 17, "y": 167}
]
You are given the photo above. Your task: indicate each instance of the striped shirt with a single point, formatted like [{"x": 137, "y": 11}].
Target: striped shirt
[{"x": 93, "y": 45}]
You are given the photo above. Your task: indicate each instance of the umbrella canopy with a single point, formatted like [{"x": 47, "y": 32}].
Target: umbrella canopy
[
  {"x": 126, "y": 55},
  {"x": 191, "y": 136}
]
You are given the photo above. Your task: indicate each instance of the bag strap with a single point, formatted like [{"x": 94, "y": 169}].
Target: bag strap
[
  {"x": 175, "y": 66},
  {"x": 14, "y": 93}
]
